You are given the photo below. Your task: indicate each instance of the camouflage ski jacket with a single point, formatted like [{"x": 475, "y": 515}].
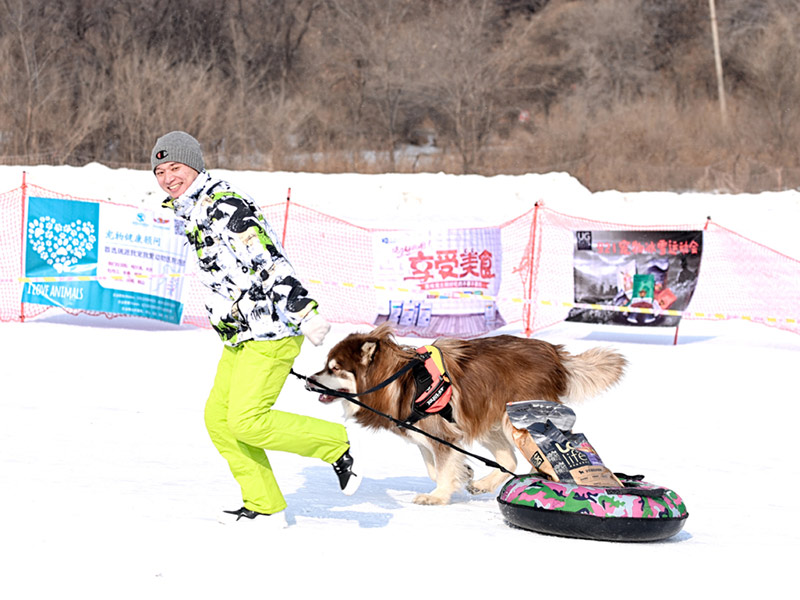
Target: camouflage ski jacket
[{"x": 255, "y": 293}]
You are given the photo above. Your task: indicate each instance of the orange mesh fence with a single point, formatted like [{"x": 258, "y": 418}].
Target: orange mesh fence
[
  {"x": 11, "y": 204},
  {"x": 334, "y": 260},
  {"x": 739, "y": 279},
  {"x": 516, "y": 281},
  {"x": 744, "y": 279}
]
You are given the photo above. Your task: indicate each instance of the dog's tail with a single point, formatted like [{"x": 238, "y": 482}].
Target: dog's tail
[{"x": 592, "y": 372}]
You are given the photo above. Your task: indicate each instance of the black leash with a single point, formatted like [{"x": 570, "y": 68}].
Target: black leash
[{"x": 318, "y": 387}]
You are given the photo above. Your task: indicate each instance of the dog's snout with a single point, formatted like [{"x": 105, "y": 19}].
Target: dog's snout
[{"x": 312, "y": 385}]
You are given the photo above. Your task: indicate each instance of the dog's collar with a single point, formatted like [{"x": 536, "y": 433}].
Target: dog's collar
[{"x": 433, "y": 386}]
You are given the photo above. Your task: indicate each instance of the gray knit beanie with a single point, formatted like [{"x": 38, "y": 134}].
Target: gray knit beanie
[{"x": 178, "y": 146}]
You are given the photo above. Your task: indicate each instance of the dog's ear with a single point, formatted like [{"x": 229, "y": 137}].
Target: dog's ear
[
  {"x": 368, "y": 352},
  {"x": 383, "y": 331}
]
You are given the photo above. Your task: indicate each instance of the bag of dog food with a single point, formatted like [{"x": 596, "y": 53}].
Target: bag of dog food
[{"x": 559, "y": 455}]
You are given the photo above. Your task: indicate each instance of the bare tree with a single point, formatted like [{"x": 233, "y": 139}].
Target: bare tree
[
  {"x": 31, "y": 83},
  {"x": 609, "y": 40},
  {"x": 374, "y": 60},
  {"x": 470, "y": 70},
  {"x": 770, "y": 76},
  {"x": 267, "y": 37}
]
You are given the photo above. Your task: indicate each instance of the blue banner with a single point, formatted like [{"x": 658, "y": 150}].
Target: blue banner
[{"x": 103, "y": 258}]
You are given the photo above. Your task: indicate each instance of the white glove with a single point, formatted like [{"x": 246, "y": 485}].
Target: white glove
[{"x": 315, "y": 329}]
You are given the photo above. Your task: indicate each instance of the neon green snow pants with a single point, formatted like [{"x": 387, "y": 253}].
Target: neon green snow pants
[{"x": 242, "y": 424}]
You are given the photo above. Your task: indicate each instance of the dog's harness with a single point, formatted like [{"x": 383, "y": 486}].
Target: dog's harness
[
  {"x": 434, "y": 397},
  {"x": 433, "y": 386}
]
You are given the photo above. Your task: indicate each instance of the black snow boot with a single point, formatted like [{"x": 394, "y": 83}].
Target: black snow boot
[
  {"x": 275, "y": 520},
  {"x": 348, "y": 480},
  {"x": 244, "y": 513}
]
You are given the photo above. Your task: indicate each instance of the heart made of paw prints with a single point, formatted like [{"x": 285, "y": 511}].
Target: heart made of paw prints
[{"x": 59, "y": 245}]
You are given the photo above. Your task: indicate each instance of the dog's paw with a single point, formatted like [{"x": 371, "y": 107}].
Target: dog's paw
[
  {"x": 472, "y": 489},
  {"x": 488, "y": 484},
  {"x": 430, "y": 500},
  {"x": 475, "y": 489}
]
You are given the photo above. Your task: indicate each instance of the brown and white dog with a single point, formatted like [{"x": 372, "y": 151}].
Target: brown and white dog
[{"x": 486, "y": 374}]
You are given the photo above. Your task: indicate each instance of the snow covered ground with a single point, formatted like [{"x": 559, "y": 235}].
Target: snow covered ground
[{"x": 111, "y": 488}]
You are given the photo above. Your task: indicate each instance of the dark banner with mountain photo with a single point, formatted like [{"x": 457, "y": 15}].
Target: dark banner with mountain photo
[{"x": 642, "y": 277}]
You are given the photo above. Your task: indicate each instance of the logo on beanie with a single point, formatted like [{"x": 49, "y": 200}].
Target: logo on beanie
[{"x": 161, "y": 154}]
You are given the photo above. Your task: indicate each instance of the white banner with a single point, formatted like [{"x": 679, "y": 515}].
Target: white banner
[{"x": 439, "y": 282}]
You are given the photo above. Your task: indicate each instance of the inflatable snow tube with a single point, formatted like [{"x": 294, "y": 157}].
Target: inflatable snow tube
[{"x": 637, "y": 512}]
